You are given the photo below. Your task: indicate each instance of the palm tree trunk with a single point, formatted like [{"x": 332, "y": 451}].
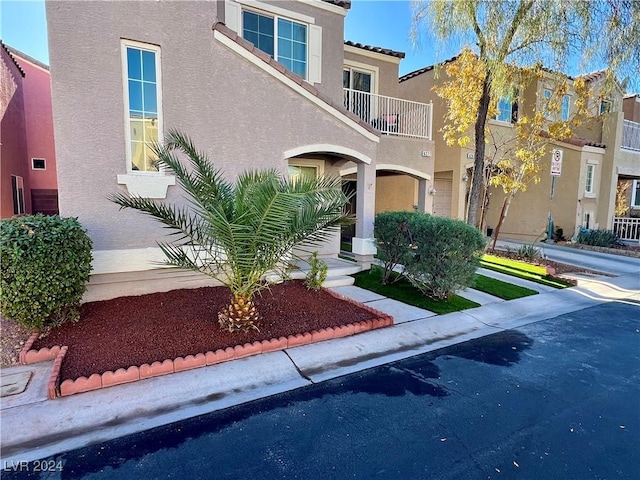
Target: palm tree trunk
[{"x": 241, "y": 315}]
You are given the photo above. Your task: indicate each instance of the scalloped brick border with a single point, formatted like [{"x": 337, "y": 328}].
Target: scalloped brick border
[{"x": 135, "y": 373}]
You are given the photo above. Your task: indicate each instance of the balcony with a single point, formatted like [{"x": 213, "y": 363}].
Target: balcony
[
  {"x": 631, "y": 135},
  {"x": 391, "y": 116}
]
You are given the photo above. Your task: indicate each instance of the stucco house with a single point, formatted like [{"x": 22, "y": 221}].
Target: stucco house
[
  {"x": 256, "y": 84},
  {"x": 582, "y": 193},
  {"x": 28, "y": 173}
]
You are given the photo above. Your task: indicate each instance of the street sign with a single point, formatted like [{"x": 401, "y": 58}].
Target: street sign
[{"x": 556, "y": 163}]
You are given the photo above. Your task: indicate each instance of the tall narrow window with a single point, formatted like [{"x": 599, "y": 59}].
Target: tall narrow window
[
  {"x": 589, "y": 182},
  {"x": 17, "y": 187},
  {"x": 635, "y": 194},
  {"x": 142, "y": 98},
  {"x": 283, "y": 39},
  {"x": 565, "y": 107}
]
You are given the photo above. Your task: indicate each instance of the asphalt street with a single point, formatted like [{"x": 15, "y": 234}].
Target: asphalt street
[{"x": 557, "y": 399}]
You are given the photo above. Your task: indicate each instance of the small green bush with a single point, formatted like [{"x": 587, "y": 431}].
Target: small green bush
[
  {"x": 528, "y": 252},
  {"x": 391, "y": 230},
  {"x": 317, "y": 274},
  {"x": 445, "y": 255},
  {"x": 598, "y": 238},
  {"x": 46, "y": 261}
]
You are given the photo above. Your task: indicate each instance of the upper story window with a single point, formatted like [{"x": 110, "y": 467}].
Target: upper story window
[
  {"x": 606, "y": 106},
  {"x": 566, "y": 101},
  {"x": 38, "y": 164},
  {"x": 507, "y": 111},
  {"x": 290, "y": 37},
  {"x": 141, "y": 64},
  {"x": 283, "y": 39},
  {"x": 591, "y": 169}
]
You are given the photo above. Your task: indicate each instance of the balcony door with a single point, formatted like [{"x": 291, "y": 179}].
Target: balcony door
[{"x": 357, "y": 98}]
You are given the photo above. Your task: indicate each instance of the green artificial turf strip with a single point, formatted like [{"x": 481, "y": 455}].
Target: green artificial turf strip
[
  {"x": 403, "y": 291},
  {"x": 543, "y": 280},
  {"x": 500, "y": 289},
  {"x": 515, "y": 265}
]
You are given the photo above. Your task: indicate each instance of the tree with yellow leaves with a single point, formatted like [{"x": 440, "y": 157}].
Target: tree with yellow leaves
[
  {"x": 514, "y": 155},
  {"x": 522, "y": 32}
]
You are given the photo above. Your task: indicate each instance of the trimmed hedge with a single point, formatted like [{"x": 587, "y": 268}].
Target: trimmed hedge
[
  {"x": 46, "y": 261},
  {"x": 440, "y": 255}
]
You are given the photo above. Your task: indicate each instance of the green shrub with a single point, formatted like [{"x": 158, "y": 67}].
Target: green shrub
[
  {"x": 391, "y": 230},
  {"x": 46, "y": 261},
  {"x": 598, "y": 238},
  {"x": 317, "y": 274},
  {"x": 445, "y": 254}
]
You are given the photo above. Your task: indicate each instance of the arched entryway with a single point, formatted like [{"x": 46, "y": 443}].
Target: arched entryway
[{"x": 330, "y": 160}]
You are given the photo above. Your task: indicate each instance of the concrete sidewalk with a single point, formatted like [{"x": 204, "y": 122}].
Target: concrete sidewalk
[{"x": 34, "y": 428}]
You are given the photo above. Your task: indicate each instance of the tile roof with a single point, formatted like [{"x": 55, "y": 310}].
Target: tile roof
[
  {"x": 15, "y": 62},
  {"x": 26, "y": 57},
  {"x": 346, "y": 4},
  {"x": 265, "y": 57},
  {"x": 384, "y": 51},
  {"x": 420, "y": 71}
]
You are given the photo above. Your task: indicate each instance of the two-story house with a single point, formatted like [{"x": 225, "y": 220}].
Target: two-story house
[
  {"x": 255, "y": 84},
  {"x": 579, "y": 191},
  {"x": 28, "y": 174}
]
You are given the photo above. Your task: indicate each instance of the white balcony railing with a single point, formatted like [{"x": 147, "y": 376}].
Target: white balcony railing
[
  {"x": 627, "y": 228},
  {"x": 392, "y": 116},
  {"x": 631, "y": 135}
]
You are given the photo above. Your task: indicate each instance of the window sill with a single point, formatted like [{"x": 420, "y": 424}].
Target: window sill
[
  {"x": 147, "y": 185},
  {"x": 493, "y": 121},
  {"x": 589, "y": 195}
]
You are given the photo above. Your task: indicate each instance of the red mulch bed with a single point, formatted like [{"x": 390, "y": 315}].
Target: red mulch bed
[{"x": 131, "y": 331}]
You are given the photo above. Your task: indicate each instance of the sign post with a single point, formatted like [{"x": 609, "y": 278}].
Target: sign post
[{"x": 556, "y": 169}]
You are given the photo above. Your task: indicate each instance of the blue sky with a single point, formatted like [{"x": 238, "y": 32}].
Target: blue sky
[{"x": 380, "y": 23}]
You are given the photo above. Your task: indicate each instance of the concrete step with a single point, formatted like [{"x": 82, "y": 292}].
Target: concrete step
[{"x": 339, "y": 281}]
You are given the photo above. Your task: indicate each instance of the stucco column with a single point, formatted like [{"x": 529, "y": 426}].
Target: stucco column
[
  {"x": 363, "y": 244},
  {"x": 425, "y": 201}
]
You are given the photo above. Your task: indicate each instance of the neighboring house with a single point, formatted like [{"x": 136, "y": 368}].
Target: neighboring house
[
  {"x": 581, "y": 194},
  {"x": 14, "y": 171},
  {"x": 255, "y": 84},
  {"x": 29, "y": 183},
  {"x": 627, "y": 174}
]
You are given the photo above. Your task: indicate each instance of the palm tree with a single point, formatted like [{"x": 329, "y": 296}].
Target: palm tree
[{"x": 238, "y": 233}]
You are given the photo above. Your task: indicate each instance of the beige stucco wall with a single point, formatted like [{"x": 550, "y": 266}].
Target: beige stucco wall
[
  {"x": 239, "y": 115},
  {"x": 384, "y": 65},
  {"x": 528, "y": 213},
  {"x": 396, "y": 192}
]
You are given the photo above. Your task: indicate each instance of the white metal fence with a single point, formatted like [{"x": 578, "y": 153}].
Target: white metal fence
[
  {"x": 392, "y": 116},
  {"x": 627, "y": 228},
  {"x": 631, "y": 135}
]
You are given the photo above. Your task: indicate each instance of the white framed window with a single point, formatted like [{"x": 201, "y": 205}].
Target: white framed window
[
  {"x": 507, "y": 111},
  {"x": 588, "y": 187},
  {"x": 566, "y": 103},
  {"x": 606, "y": 106},
  {"x": 290, "y": 37},
  {"x": 38, "y": 164},
  {"x": 587, "y": 219},
  {"x": 17, "y": 189},
  {"x": 635, "y": 194},
  {"x": 284, "y": 39},
  {"x": 546, "y": 95},
  {"x": 143, "y": 104}
]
